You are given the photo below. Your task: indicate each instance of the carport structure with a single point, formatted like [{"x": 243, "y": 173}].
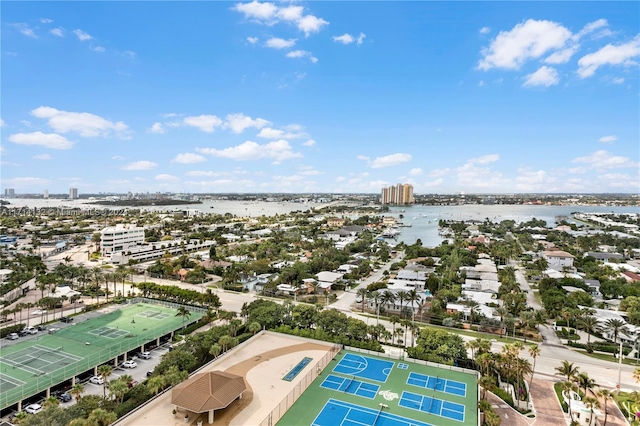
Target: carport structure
[{"x": 207, "y": 392}]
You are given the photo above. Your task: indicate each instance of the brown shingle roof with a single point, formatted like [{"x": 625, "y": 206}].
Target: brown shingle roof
[{"x": 208, "y": 391}]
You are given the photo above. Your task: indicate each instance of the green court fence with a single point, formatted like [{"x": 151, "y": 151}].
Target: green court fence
[{"x": 100, "y": 356}]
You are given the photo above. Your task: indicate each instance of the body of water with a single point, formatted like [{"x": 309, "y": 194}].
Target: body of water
[{"x": 423, "y": 219}]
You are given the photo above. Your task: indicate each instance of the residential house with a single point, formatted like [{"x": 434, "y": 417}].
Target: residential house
[
  {"x": 335, "y": 222},
  {"x": 327, "y": 279},
  {"x": 558, "y": 259}
]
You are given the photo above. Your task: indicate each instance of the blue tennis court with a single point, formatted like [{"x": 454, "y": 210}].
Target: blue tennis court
[
  {"x": 365, "y": 367},
  {"x": 435, "y": 383},
  {"x": 435, "y": 406},
  {"x": 350, "y": 385},
  {"x": 342, "y": 413}
]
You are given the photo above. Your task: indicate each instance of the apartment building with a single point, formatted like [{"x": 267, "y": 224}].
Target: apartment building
[
  {"x": 399, "y": 194},
  {"x": 114, "y": 239}
]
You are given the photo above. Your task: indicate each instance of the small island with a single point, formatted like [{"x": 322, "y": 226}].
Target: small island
[{"x": 145, "y": 202}]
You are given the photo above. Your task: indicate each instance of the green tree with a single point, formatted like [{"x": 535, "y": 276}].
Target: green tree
[
  {"x": 105, "y": 371},
  {"x": 568, "y": 370},
  {"x": 184, "y": 313}
]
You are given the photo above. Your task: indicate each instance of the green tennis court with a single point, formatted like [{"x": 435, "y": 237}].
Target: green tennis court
[
  {"x": 32, "y": 366},
  {"x": 327, "y": 401}
]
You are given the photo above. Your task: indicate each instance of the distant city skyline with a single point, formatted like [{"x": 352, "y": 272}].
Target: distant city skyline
[{"x": 320, "y": 97}]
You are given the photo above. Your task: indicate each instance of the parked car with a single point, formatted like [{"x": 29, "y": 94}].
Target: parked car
[
  {"x": 66, "y": 319},
  {"x": 64, "y": 397},
  {"x": 41, "y": 328},
  {"x": 13, "y": 336},
  {"x": 98, "y": 380},
  {"x": 144, "y": 355},
  {"x": 30, "y": 330},
  {"x": 132, "y": 383},
  {"x": 39, "y": 312},
  {"x": 130, "y": 364},
  {"x": 150, "y": 373},
  {"x": 33, "y": 408}
]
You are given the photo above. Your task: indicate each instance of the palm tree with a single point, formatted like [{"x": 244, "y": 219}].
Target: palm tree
[
  {"x": 605, "y": 394},
  {"x": 393, "y": 321},
  {"x": 589, "y": 324},
  {"x": 155, "y": 384},
  {"x": 617, "y": 326},
  {"x": 534, "y": 351},
  {"x": 387, "y": 298},
  {"x": 102, "y": 417},
  {"x": 591, "y": 403},
  {"x": 523, "y": 368},
  {"x": 402, "y": 296},
  {"x": 502, "y": 312},
  {"x": 215, "y": 350},
  {"x": 77, "y": 390},
  {"x": 568, "y": 370},
  {"x": 412, "y": 297},
  {"x": 52, "y": 401},
  {"x": 486, "y": 383},
  {"x": 375, "y": 295},
  {"x": 225, "y": 342},
  {"x": 184, "y": 313},
  {"x": 254, "y": 327},
  {"x": 105, "y": 371},
  {"x": 362, "y": 293},
  {"x": 585, "y": 382},
  {"x": 567, "y": 387}
]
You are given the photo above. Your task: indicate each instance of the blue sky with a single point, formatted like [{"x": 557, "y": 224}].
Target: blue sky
[{"x": 480, "y": 97}]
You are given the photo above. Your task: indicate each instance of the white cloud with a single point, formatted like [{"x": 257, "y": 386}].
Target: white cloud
[
  {"x": 344, "y": 38},
  {"x": 22, "y": 182},
  {"x": 544, "y": 76},
  {"x": 533, "y": 180},
  {"x": 390, "y": 160},
  {"x": 280, "y": 43},
  {"x": 302, "y": 54},
  {"x": 617, "y": 80},
  {"x": 98, "y": 49},
  {"x": 602, "y": 159},
  {"x": 82, "y": 123},
  {"x": 622, "y": 54},
  {"x": 608, "y": 139},
  {"x": 156, "y": 128},
  {"x": 415, "y": 172},
  {"x": 309, "y": 143},
  {"x": 48, "y": 140},
  {"x": 484, "y": 30},
  {"x": 361, "y": 38},
  {"x": 591, "y": 27},
  {"x": 290, "y": 13},
  {"x": 43, "y": 157},
  {"x": 188, "y": 158},
  {"x": 206, "y": 123},
  {"x": 252, "y": 40},
  {"x": 2, "y": 123},
  {"x": 278, "y": 151},
  {"x": 269, "y": 14},
  {"x": 620, "y": 180},
  {"x": 291, "y": 132},
  {"x": 433, "y": 183},
  {"x": 527, "y": 40},
  {"x": 82, "y": 36},
  {"x": 117, "y": 157},
  {"x": 46, "y": 20},
  {"x": 24, "y": 30},
  {"x": 309, "y": 171},
  {"x": 485, "y": 159},
  {"x": 239, "y": 122},
  {"x": 58, "y": 32},
  {"x": 363, "y": 158},
  {"x": 169, "y": 115},
  {"x": 140, "y": 165},
  {"x": 562, "y": 56},
  {"x": 257, "y": 11},
  {"x": 166, "y": 177},
  {"x": 311, "y": 24}
]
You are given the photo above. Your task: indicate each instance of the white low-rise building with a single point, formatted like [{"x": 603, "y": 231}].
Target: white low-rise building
[{"x": 119, "y": 238}]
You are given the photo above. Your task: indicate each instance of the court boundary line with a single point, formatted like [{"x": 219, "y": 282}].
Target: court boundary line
[
  {"x": 399, "y": 420},
  {"x": 432, "y": 398},
  {"x": 412, "y": 375}
]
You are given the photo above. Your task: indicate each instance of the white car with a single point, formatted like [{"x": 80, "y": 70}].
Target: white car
[
  {"x": 33, "y": 408},
  {"x": 98, "y": 380},
  {"x": 130, "y": 364},
  {"x": 144, "y": 355},
  {"x": 39, "y": 312}
]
